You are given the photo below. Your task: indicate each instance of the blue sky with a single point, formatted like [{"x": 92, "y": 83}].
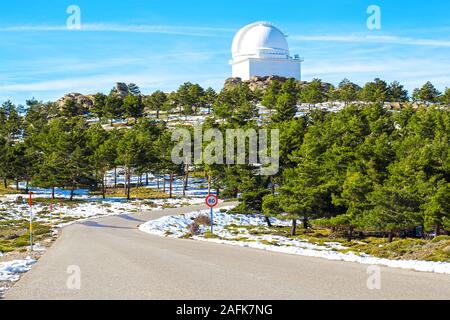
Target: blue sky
[{"x": 161, "y": 44}]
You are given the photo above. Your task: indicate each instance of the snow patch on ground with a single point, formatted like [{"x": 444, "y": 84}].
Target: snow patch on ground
[
  {"x": 66, "y": 214},
  {"x": 88, "y": 208},
  {"x": 176, "y": 227},
  {"x": 11, "y": 270}
]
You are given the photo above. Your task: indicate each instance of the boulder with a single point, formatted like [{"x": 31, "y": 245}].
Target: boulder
[
  {"x": 121, "y": 89},
  {"x": 85, "y": 101}
]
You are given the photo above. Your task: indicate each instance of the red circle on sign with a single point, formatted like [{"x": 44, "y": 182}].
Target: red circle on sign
[{"x": 211, "y": 197}]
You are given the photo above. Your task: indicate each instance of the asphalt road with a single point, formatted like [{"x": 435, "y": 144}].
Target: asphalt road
[{"x": 117, "y": 261}]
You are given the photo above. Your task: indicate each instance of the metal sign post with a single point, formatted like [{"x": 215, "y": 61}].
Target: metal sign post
[{"x": 212, "y": 201}]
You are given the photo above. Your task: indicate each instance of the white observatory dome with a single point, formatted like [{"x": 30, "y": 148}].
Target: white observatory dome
[
  {"x": 260, "y": 40},
  {"x": 260, "y": 49}
]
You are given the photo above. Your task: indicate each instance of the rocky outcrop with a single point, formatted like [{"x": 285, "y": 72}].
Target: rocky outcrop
[
  {"x": 121, "y": 89},
  {"x": 256, "y": 83},
  {"x": 85, "y": 101}
]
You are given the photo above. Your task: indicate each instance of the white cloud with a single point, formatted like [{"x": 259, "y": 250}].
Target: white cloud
[
  {"x": 412, "y": 72},
  {"x": 373, "y": 39},
  {"x": 124, "y": 28},
  {"x": 54, "y": 89}
]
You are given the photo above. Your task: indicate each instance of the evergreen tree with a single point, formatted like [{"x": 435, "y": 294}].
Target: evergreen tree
[
  {"x": 437, "y": 206},
  {"x": 446, "y": 97},
  {"x": 114, "y": 106},
  {"x": 133, "y": 106},
  {"x": 428, "y": 93},
  {"x": 209, "y": 98},
  {"x": 156, "y": 102},
  {"x": 286, "y": 102},
  {"x": 376, "y": 91},
  {"x": 134, "y": 90},
  {"x": 397, "y": 93},
  {"x": 99, "y": 107},
  {"x": 313, "y": 93},
  {"x": 347, "y": 91},
  {"x": 269, "y": 98}
]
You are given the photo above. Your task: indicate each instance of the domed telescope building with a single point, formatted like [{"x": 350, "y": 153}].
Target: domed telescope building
[{"x": 261, "y": 49}]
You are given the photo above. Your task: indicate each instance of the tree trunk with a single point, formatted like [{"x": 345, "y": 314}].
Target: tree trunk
[
  {"x": 437, "y": 229},
  {"x": 186, "y": 180},
  {"x": 125, "y": 180},
  {"x": 268, "y": 221},
  {"x": 157, "y": 114},
  {"x": 129, "y": 186},
  {"x": 305, "y": 222},
  {"x": 350, "y": 234},
  {"x": 183, "y": 179},
  {"x": 103, "y": 186},
  {"x": 157, "y": 183},
  {"x": 17, "y": 184},
  {"x": 390, "y": 236},
  {"x": 53, "y": 192},
  {"x": 294, "y": 227},
  {"x": 115, "y": 177},
  {"x": 164, "y": 183},
  {"x": 146, "y": 179},
  {"x": 272, "y": 185},
  {"x": 27, "y": 186},
  {"x": 209, "y": 184},
  {"x": 171, "y": 185},
  {"x": 72, "y": 189},
  {"x": 5, "y": 183}
]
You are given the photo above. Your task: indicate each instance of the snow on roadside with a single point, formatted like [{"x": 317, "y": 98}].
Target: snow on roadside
[
  {"x": 176, "y": 227},
  {"x": 11, "y": 270},
  {"x": 87, "y": 208},
  {"x": 66, "y": 214}
]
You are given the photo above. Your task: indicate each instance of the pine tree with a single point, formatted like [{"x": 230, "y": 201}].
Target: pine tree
[
  {"x": 397, "y": 93},
  {"x": 427, "y": 93},
  {"x": 313, "y": 93},
  {"x": 437, "y": 206},
  {"x": 347, "y": 91},
  {"x": 156, "y": 102}
]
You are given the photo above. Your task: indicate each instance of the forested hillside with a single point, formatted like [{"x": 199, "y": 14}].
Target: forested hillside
[{"x": 363, "y": 168}]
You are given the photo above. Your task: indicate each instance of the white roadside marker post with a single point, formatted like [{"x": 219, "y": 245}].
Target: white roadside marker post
[
  {"x": 51, "y": 216},
  {"x": 31, "y": 220}
]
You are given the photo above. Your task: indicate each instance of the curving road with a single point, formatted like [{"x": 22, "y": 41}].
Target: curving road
[{"x": 117, "y": 261}]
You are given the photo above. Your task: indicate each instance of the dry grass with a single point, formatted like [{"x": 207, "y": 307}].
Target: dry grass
[
  {"x": 14, "y": 234},
  {"x": 203, "y": 220},
  {"x": 437, "y": 249},
  {"x": 136, "y": 193},
  {"x": 194, "y": 228},
  {"x": 7, "y": 190}
]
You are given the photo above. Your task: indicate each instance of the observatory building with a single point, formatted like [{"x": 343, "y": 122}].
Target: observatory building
[{"x": 261, "y": 49}]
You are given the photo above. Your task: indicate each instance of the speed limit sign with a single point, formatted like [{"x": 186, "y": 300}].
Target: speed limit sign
[{"x": 212, "y": 200}]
